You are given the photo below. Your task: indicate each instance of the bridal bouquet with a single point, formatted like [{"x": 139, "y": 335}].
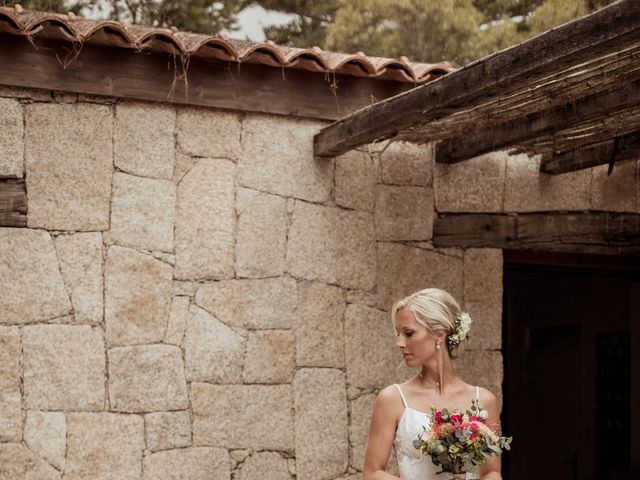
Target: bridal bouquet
[{"x": 459, "y": 442}]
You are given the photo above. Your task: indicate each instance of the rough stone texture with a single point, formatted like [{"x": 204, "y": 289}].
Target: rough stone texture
[
  {"x": 475, "y": 185},
  {"x": 262, "y": 234},
  {"x": 371, "y": 363},
  {"x": 63, "y": 367},
  {"x": 204, "y": 132},
  {"x": 319, "y": 326},
  {"x": 10, "y": 417},
  {"x": 198, "y": 463},
  {"x": 10, "y": 350},
  {"x": 527, "y": 189},
  {"x": 332, "y": 245},
  {"x": 166, "y": 430},
  {"x": 483, "y": 368},
  {"x": 213, "y": 351},
  {"x": 286, "y": 166},
  {"x": 183, "y": 164},
  {"x": 46, "y": 434},
  {"x": 73, "y": 144},
  {"x": 143, "y": 212},
  {"x": 11, "y": 140},
  {"x": 445, "y": 270},
  {"x": 146, "y": 379},
  {"x": 483, "y": 297},
  {"x": 401, "y": 271},
  {"x": 363, "y": 298},
  {"x": 321, "y": 413},
  {"x": 177, "y": 325},
  {"x": 143, "y": 139},
  {"x": 269, "y": 357},
  {"x": 356, "y": 179},
  {"x": 267, "y": 303},
  {"x": 31, "y": 288},
  {"x": 404, "y": 163},
  {"x": 137, "y": 297},
  {"x": 267, "y": 465},
  {"x": 243, "y": 416},
  {"x": 10, "y": 398},
  {"x": 404, "y": 213},
  {"x": 618, "y": 192},
  {"x": 80, "y": 259},
  {"x": 104, "y": 446},
  {"x": 206, "y": 221},
  {"x": 361, "y": 410},
  {"x": 18, "y": 462},
  {"x": 26, "y": 93}
]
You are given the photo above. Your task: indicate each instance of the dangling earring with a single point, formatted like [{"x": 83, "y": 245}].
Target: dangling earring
[{"x": 437, "y": 345}]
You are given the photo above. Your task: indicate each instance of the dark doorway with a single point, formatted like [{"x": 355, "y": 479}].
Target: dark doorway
[{"x": 571, "y": 328}]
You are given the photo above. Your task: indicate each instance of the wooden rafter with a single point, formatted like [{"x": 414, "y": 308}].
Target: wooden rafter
[
  {"x": 615, "y": 151},
  {"x": 13, "y": 203},
  {"x": 611, "y": 29},
  {"x": 475, "y": 143},
  {"x": 549, "y": 230}
]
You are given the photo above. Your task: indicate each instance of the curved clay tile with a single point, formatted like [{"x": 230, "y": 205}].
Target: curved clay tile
[
  {"x": 70, "y": 28},
  {"x": 209, "y": 46}
]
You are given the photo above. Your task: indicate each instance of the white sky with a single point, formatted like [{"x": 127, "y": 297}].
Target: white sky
[{"x": 252, "y": 19}]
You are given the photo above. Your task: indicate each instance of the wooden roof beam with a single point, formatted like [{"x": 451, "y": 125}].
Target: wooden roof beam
[
  {"x": 619, "y": 150},
  {"x": 472, "y": 144},
  {"x": 569, "y": 44}
]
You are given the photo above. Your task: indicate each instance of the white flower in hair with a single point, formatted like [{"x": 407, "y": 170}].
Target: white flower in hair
[{"x": 460, "y": 330}]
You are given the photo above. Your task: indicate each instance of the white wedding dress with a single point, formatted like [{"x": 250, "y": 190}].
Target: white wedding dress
[{"x": 412, "y": 464}]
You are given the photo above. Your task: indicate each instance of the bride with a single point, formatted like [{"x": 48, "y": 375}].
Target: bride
[{"x": 429, "y": 327}]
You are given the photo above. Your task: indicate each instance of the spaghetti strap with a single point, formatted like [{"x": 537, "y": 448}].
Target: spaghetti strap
[
  {"x": 404, "y": 400},
  {"x": 477, "y": 393}
]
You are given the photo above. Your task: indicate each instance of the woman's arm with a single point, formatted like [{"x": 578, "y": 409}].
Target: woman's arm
[
  {"x": 490, "y": 470},
  {"x": 386, "y": 411}
]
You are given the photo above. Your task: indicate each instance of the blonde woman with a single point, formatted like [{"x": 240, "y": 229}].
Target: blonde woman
[{"x": 429, "y": 326}]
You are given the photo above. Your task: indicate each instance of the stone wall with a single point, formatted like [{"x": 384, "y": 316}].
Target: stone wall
[{"x": 196, "y": 297}]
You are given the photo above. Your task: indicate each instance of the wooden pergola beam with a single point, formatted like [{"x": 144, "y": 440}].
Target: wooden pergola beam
[
  {"x": 538, "y": 230},
  {"x": 13, "y": 203},
  {"x": 569, "y": 44},
  {"x": 619, "y": 150},
  {"x": 472, "y": 144}
]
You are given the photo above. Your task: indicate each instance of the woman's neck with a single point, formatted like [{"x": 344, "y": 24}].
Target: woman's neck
[{"x": 434, "y": 375}]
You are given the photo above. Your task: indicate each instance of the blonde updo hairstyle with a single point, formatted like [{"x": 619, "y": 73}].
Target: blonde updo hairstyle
[{"x": 435, "y": 309}]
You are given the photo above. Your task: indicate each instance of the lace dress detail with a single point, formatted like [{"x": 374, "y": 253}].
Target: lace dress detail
[{"x": 412, "y": 464}]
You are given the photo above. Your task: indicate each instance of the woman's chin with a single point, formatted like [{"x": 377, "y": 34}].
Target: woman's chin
[{"x": 410, "y": 361}]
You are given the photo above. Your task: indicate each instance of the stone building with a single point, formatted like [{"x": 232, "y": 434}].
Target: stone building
[{"x": 186, "y": 292}]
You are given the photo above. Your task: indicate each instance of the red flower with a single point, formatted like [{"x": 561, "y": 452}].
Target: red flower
[
  {"x": 456, "y": 419},
  {"x": 474, "y": 418},
  {"x": 473, "y": 436},
  {"x": 474, "y": 427},
  {"x": 438, "y": 416}
]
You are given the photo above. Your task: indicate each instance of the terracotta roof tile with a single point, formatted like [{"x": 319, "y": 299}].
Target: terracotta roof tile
[{"x": 71, "y": 28}]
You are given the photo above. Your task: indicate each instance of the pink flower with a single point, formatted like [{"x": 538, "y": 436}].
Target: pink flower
[
  {"x": 473, "y": 436},
  {"x": 474, "y": 426},
  {"x": 456, "y": 419}
]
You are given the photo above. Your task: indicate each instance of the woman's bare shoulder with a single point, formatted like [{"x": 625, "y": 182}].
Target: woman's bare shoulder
[
  {"x": 389, "y": 400},
  {"x": 487, "y": 398}
]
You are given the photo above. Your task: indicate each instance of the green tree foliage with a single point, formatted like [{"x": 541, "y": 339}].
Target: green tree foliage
[
  {"x": 202, "y": 16},
  {"x": 420, "y": 29},
  {"x": 309, "y": 25},
  {"x": 60, "y": 6},
  {"x": 423, "y": 30}
]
